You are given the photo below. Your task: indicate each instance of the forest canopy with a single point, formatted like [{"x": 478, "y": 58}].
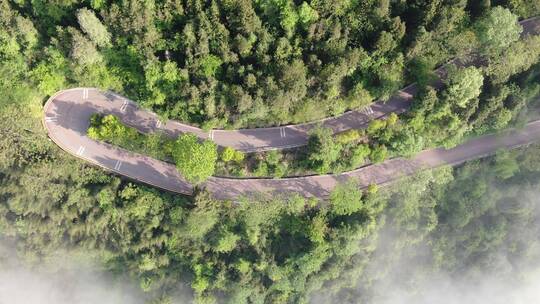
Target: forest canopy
[
  {"x": 246, "y": 63},
  {"x": 269, "y": 62}
]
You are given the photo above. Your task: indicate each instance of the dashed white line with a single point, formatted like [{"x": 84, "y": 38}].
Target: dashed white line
[
  {"x": 118, "y": 165},
  {"x": 81, "y": 150},
  {"x": 124, "y": 106},
  {"x": 85, "y": 94},
  {"x": 367, "y": 110},
  {"x": 211, "y": 134},
  {"x": 282, "y": 132},
  {"x": 51, "y": 119}
]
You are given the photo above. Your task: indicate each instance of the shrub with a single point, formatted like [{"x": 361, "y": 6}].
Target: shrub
[
  {"x": 378, "y": 154},
  {"x": 196, "y": 161},
  {"x": 229, "y": 154},
  {"x": 348, "y": 136}
]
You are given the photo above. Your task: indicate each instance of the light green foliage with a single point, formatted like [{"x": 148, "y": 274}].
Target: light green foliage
[
  {"x": 49, "y": 74},
  {"x": 307, "y": 14},
  {"x": 287, "y": 13},
  {"x": 109, "y": 128},
  {"x": 358, "y": 97},
  {"x": 229, "y": 154},
  {"x": 346, "y": 198},
  {"x": 376, "y": 126},
  {"x": 91, "y": 25},
  {"x": 505, "y": 165},
  {"x": 227, "y": 242},
  {"x": 196, "y": 161},
  {"x": 17, "y": 34},
  {"x": 463, "y": 85},
  {"x": 97, "y": 4},
  {"x": 498, "y": 29},
  {"x": 519, "y": 57},
  {"x": 392, "y": 119},
  {"x": 209, "y": 66},
  {"x": 407, "y": 142},
  {"x": 348, "y": 136},
  {"x": 359, "y": 155}
]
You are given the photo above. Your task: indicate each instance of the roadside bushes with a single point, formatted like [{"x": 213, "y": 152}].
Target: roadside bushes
[
  {"x": 229, "y": 154},
  {"x": 323, "y": 150},
  {"x": 195, "y": 160},
  {"x": 109, "y": 128}
]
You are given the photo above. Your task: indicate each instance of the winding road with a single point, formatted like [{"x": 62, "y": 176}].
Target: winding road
[{"x": 67, "y": 114}]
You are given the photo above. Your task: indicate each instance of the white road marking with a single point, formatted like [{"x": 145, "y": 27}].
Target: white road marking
[
  {"x": 117, "y": 165},
  {"x": 81, "y": 150},
  {"x": 85, "y": 94},
  {"x": 51, "y": 119},
  {"x": 282, "y": 132},
  {"x": 367, "y": 110},
  {"x": 211, "y": 134},
  {"x": 124, "y": 106},
  {"x": 158, "y": 124}
]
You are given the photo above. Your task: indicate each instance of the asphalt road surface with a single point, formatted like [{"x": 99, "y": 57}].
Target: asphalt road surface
[{"x": 67, "y": 116}]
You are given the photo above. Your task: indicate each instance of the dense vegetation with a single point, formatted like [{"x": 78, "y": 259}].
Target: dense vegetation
[
  {"x": 239, "y": 63},
  {"x": 466, "y": 104},
  {"x": 269, "y": 249},
  {"x": 491, "y": 93}
]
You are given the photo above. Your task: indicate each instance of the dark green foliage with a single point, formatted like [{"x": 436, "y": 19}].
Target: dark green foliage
[
  {"x": 240, "y": 63},
  {"x": 468, "y": 224},
  {"x": 524, "y": 8},
  {"x": 323, "y": 150},
  {"x": 244, "y": 63},
  {"x": 378, "y": 154},
  {"x": 162, "y": 240}
]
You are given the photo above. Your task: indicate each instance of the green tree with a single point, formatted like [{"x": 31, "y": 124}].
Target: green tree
[
  {"x": 346, "y": 198},
  {"x": 307, "y": 14},
  {"x": 505, "y": 165},
  {"x": 195, "y": 161},
  {"x": 525, "y": 8},
  {"x": 227, "y": 242},
  {"x": 378, "y": 153},
  {"x": 519, "y": 57},
  {"x": 463, "y": 85},
  {"x": 230, "y": 154},
  {"x": 406, "y": 142},
  {"x": 497, "y": 30},
  {"x": 323, "y": 151},
  {"x": 83, "y": 51},
  {"x": 93, "y": 27},
  {"x": 209, "y": 65}
]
